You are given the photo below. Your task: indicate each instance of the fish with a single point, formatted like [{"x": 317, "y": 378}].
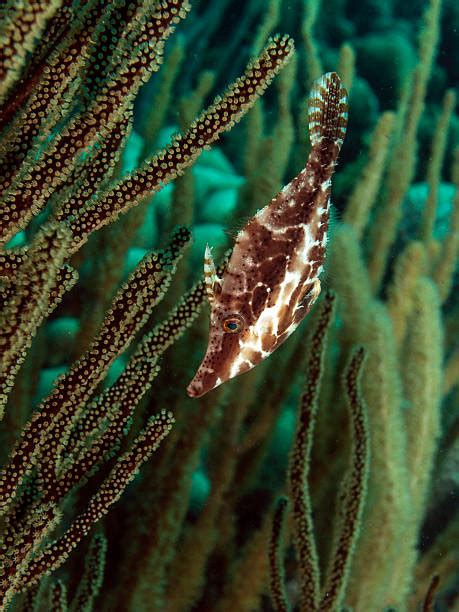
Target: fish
[{"x": 271, "y": 280}]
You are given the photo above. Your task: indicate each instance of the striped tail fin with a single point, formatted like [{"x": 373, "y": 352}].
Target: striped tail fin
[{"x": 328, "y": 110}]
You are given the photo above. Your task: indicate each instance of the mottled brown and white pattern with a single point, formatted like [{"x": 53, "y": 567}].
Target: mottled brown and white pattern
[{"x": 272, "y": 278}]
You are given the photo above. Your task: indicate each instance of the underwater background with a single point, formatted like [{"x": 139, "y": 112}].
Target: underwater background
[{"x": 326, "y": 478}]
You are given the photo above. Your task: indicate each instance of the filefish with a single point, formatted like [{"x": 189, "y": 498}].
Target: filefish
[{"x": 272, "y": 279}]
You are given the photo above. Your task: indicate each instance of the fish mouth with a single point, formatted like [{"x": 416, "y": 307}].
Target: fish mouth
[
  {"x": 202, "y": 383},
  {"x": 214, "y": 369},
  {"x": 195, "y": 389}
]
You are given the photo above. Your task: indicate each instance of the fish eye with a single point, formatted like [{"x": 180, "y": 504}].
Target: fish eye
[{"x": 233, "y": 324}]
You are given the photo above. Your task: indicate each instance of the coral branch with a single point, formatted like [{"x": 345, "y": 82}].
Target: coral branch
[
  {"x": 130, "y": 310},
  {"x": 184, "y": 150},
  {"x": 300, "y": 461},
  {"x": 108, "y": 493},
  {"x": 58, "y": 597},
  {"x": 23, "y": 24},
  {"x": 32, "y": 300},
  {"x": 428, "y": 604},
  {"x": 30, "y": 190},
  {"x": 276, "y": 561},
  {"x": 354, "y": 493},
  {"x": 93, "y": 575}
]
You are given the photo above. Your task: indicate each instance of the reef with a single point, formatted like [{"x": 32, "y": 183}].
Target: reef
[{"x": 327, "y": 477}]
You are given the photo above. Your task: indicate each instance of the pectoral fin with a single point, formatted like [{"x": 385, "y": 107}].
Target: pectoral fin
[
  {"x": 311, "y": 293},
  {"x": 314, "y": 292}
]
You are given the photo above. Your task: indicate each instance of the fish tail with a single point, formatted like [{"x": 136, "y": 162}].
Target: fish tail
[{"x": 327, "y": 110}]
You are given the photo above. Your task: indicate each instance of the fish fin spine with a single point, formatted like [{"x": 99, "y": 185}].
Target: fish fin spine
[{"x": 211, "y": 279}]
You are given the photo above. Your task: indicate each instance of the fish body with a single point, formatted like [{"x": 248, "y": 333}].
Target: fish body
[{"x": 272, "y": 278}]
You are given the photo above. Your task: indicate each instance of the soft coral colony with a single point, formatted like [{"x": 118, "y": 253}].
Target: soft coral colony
[
  {"x": 72, "y": 94},
  {"x": 200, "y": 527}
]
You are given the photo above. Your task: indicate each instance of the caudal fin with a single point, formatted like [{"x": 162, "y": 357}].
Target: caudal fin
[{"x": 328, "y": 110}]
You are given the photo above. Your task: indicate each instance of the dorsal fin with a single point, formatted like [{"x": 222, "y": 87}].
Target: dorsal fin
[
  {"x": 327, "y": 110},
  {"x": 213, "y": 283}
]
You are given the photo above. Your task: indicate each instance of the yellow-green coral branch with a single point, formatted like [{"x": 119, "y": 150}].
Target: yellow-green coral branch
[
  {"x": 434, "y": 168},
  {"x": 404, "y": 157},
  {"x": 363, "y": 197}
]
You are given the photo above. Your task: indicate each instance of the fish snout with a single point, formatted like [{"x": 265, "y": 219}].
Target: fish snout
[
  {"x": 195, "y": 389},
  {"x": 204, "y": 381}
]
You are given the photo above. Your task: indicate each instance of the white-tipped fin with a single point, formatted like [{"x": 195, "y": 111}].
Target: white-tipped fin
[{"x": 213, "y": 283}]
